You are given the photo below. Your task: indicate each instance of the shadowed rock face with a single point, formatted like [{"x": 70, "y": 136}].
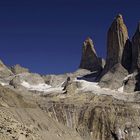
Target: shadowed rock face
[
  {"x": 127, "y": 56},
  {"x": 90, "y": 59},
  {"x": 116, "y": 41},
  {"x": 136, "y": 49},
  {"x": 133, "y": 82}
]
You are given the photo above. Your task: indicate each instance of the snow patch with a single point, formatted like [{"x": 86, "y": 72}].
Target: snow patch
[
  {"x": 39, "y": 87},
  {"x": 4, "y": 84},
  {"x": 121, "y": 89},
  {"x": 42, "y": 87},
  {"x": 94, "y": 88},
  {"x": 128, "y": 76}
]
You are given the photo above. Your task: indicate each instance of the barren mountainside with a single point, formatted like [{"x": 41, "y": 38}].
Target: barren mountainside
[{"x": 99, "y": 101}]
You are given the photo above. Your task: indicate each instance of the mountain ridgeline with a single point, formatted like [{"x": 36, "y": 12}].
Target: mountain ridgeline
[
  {"x": 99, "y": 101},
  {"x": 122, "y": 65}
]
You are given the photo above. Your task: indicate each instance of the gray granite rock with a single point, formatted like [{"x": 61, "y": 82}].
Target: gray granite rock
[
  {"x": 17, "y": 69},
  {"x": 113, "y": 79},
  {"x": 90, "y": 60},
  {"x": 116, "y": 41},
  {"x": 4, "y": 70}
]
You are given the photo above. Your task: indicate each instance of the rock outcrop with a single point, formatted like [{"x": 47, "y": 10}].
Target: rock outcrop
[
  {"x": 90, "y": 60},
  {"x": 17, "y": 69},
  {"x": 4, "y": 71},
  {"x": 136, "y": 50},
  {"x": 97, "y": 117},
  {"x": 113, "y": 79},
  {"x": 26, "y": 78},
  {"x": 116, "y": 40},
  {"x": 55, "y": 80}
]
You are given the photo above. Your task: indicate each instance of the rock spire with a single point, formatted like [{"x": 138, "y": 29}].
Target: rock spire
[
  {"x": 90, "y": 60},
  {"x": 117, "y": 37}
]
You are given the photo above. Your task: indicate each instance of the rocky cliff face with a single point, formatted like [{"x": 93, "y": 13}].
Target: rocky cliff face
[
  {"x": 127, "y": 56},
  {"x": 17, "y": 69},
  {"x": 90, "y": 60},
  {"x": 96, "y": 117},
  {"x": 114, "y": 78},
  {"x": 132, "y": 83},
  {"x": 116, "y": 40},
  {"x": 136, "y": 49},
  {"x": 119, "y": 55},
  {"x": 4, "y": 70}
]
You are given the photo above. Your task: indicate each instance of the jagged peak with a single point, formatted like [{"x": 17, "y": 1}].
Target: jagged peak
[
  {"x": 118, "y": 24},
  {"x": 89, "y": 43},
  {"x": 118, "y": 20},
  {"x": 119, "y": 16}
]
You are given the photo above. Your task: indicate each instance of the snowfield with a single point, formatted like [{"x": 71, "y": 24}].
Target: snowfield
[
  {"x": 42, "y": 87},
  {"x": 94, "y": 88},
  {"x": 85, "y": 86}
]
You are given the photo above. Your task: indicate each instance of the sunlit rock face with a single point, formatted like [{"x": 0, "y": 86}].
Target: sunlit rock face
[
  {"x": 119, "y": 55},
  {"x": 4, "y": 70},
  {"x": 116, "y": 41},
  {"x": 17, "y": 69},
  {"x": 90, "y": 60},
  {"x": 97, "y": 117}
]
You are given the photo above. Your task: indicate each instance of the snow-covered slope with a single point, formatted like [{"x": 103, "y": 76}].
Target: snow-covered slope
[
  {"x": 94, "y": 88},
  {"x": 42, "y": 87}
]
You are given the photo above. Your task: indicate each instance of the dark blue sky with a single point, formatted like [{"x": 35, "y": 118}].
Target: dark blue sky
[{"x": 47, "y": 36}]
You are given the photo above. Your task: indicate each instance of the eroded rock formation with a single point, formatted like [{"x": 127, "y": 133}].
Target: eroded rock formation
[
  {"x": 116, "y": 40},
  {"x": 97, "y": 117},
  {"x": 4, "y": 70},
  {"x": 113, "y": 79},
  {"x": 89, "y": 58},
  {"x": 17, "y": 69}
]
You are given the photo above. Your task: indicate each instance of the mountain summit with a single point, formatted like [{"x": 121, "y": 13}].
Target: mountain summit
[
  {"x": 116, "y": 39},
  {"x": 89, "y": 59}
]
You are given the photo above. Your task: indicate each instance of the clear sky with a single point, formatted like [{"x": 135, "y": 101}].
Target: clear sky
[{"x": 47, "y": 36}]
